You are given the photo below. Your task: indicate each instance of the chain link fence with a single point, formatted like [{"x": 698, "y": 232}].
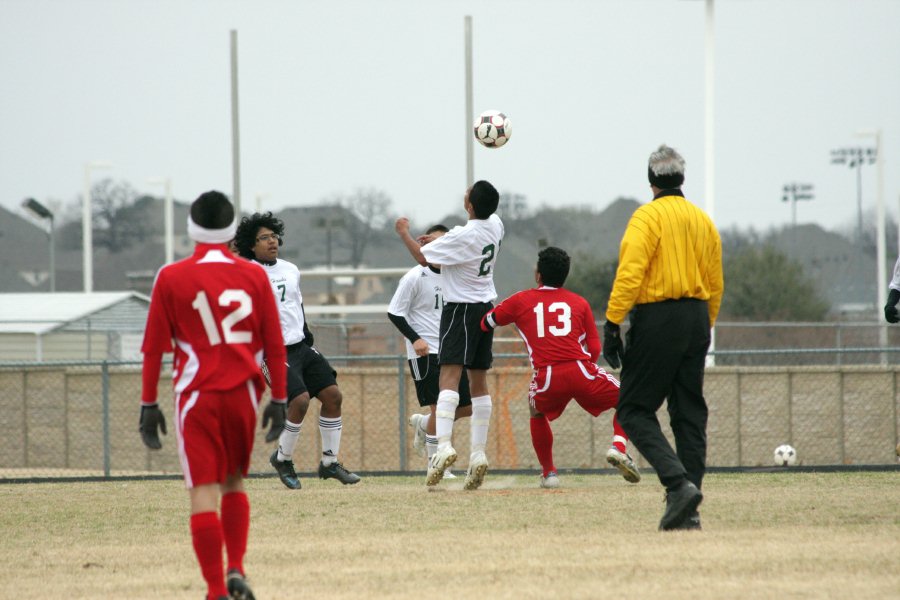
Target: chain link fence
[
  {"x": 79, "y": 419},
  {"x": 736, "y": 343}
]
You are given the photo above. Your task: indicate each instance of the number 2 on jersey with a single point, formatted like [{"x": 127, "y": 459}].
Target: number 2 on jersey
[
  {"x": 563, "y": 313},
  {"x": 243, "y": 310},
  {"x": 488, "y": 253}
]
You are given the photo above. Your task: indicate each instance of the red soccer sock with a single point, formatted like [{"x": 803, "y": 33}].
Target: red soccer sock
[
  {"x": 619, "y": 436},
  {"x": 542, "y": 440},
  {"x": 206, "y": 532},
  {"x": 235, "y": 527}
]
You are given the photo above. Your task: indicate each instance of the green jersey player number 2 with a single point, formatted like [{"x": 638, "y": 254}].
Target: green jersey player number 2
[{"x": 484, "y": 268}]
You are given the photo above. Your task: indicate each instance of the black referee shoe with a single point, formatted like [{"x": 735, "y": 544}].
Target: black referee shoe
[
  {"x": 238, "y": 589},
  {"x": 337, "y": 471},
  {"x": 692, "y": 523},
  {"x": 681, "y": 502},
  {"x": 286, "y": 472}
]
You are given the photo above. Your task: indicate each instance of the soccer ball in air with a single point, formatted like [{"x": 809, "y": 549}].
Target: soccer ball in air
[
  {"x": 785, "y": 455},
  {"x": 492, "y": 129}
]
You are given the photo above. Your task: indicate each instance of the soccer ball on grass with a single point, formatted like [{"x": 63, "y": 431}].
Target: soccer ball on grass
[
  {"x": 785, "y": 456},
  {"x": 492, "y": 129}
]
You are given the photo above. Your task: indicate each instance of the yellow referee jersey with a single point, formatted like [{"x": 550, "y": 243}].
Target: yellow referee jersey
[{"x": 670, "y": 250}]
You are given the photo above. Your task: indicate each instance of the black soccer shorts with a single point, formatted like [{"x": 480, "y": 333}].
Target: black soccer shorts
[
  {"x": 308, "y": 371},
  {"x": 426, "y": 374},
  {"x": 462, "y": 340}
]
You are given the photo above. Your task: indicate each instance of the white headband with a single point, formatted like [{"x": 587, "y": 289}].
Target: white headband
[{"x": 210, "y": 236}]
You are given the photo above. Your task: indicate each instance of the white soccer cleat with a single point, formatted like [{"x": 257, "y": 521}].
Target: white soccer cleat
[
  {"x": 415, "y": 421},
  {"x": 478, "y": 466},
  {"x": 440, "y": 462},
  {"x": 448, "y": 474},
  {"x": 624, "y": 464},
  {"x": 551, "y": 481}
]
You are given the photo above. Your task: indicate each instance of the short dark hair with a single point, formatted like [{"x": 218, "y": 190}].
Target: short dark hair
[
  {"x": 553, "y": 265},
  {"x": 212, "y": 210},
  {"x": 438, "y": 227},
  {"x": 245, "y": 237},
  {"x": 484, "y": 199}
]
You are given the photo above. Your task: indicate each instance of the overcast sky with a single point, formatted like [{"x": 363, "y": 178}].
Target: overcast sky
[{"x": 341, "y": 95}]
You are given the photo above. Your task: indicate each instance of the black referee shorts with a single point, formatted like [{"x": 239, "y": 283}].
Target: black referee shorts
[
  {"x": 426, "y": 374},
  {"x": 462, "y": 340},
  {"x": 308, "y": 371}
]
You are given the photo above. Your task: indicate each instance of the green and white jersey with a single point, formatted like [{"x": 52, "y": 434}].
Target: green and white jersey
[
  {"x": 285, "y": 279},
  {"x": 419, "y": 300},
  {"x": 467, "y": 255}
]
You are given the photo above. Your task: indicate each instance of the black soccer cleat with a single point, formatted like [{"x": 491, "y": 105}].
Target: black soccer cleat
[
  {"x": 238, "y": 588},
  {"x": 337, "y": 471},
  {"x": 286, "y": 472}
]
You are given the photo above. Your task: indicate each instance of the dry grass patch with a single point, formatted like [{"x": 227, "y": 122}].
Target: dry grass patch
[{"x": 797, "y": 535}]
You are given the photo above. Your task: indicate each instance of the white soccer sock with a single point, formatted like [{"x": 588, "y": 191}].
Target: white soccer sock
[
  {"x": 445, "y": 414},
  {"x": 331, "y": 439},
  {"x": 287, "y": 441},
  {"x": 481, "y": 419},
  {"x": 431, "y": 444}
]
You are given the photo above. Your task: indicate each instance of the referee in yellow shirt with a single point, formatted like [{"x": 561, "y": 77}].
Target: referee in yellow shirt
[{"x": 670, "y": 278}]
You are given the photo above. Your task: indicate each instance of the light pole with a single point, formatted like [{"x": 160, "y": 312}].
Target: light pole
[
  {"x": 709, "y": 138},
  {"x": 42, "y": 212},
  {"x": 259, "y": 200},
  {"x": 880, "y": 235},
  {"x": 235, "y": 127},
  {"x": 168, "y": 217},
  {"x": 792, "y": 192},
  {"x": 855, "y": 158},
  {"x": 470, "y": 105},
  {"x": 87, "y": 224}
]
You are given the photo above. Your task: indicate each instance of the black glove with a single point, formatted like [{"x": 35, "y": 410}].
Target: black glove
[
  {"x": 890, "y": 309},
  {"x": 151, "y": 423},
  {"x": 275, "y": 412},
  {"x": 613, "y": 350}
]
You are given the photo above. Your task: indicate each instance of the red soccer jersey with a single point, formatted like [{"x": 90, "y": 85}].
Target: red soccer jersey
[
  {"x": 220, "y": 313},
  {"x": 556, "y": 324}
]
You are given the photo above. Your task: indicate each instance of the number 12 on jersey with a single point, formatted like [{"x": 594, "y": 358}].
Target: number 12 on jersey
[
  {"x": 243, "y": 310},
  {"x": 563, "y": 314}
]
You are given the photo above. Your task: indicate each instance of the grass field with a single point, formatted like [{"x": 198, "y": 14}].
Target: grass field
[{"x": 766, "y": 535}]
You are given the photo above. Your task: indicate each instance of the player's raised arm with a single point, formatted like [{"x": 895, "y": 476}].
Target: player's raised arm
[{"x": 401, "y": 226}]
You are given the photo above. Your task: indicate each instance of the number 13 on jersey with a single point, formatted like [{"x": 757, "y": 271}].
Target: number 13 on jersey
[{"x": 561, "y": 312}]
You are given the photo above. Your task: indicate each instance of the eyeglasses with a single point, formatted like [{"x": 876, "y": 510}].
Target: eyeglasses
[{"x": 269, "y": 237}]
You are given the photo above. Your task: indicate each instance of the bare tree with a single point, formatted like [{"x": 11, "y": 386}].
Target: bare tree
[
  {"x": 368, "y": 212},
  {"x": 117, "y": 215},
  {"x": 120, "y": 217}
]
